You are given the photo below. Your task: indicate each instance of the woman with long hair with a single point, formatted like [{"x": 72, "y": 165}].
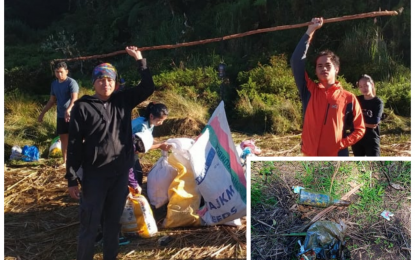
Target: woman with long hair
[{"x": 372, "y": 110}]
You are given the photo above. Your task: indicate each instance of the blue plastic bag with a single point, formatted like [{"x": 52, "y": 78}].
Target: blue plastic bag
[{"x": 30, "y": 153}]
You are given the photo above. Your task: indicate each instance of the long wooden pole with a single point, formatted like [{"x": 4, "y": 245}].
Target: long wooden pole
[{"x": 234, "y": 36}]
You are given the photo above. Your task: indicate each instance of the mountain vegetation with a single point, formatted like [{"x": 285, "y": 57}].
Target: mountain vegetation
[{"x": 258, "y": 88}]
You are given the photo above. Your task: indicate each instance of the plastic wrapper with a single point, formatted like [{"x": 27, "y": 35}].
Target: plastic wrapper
[{"x": 325, "y": 238}]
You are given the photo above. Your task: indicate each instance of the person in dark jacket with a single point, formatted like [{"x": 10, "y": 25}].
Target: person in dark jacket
[
  {"x": 100, "y": 141},
  {"x": 372, "y": 109}
]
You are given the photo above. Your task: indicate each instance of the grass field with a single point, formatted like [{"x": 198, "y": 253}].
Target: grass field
[{"x": 374, "y": 187}]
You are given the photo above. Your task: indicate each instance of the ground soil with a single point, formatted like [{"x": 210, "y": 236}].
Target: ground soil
[{"x": 41, "y": 222}]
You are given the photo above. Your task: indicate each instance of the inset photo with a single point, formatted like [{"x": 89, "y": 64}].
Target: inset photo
[{"x": 311, "y": 210}]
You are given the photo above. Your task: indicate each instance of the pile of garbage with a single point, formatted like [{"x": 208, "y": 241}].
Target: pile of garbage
[
  {"x": 27, "y": 154},
  {"x": 324, "y": 239},
  {"x": 31, "y": 153},
  {"x": 202, "y": 182}
]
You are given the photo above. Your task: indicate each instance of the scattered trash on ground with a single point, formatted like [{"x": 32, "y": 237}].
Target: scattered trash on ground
[
  {"x": 16, "y": 153},
  {"x": 250, "y": 144},
  {"x": 247, "y": 149},
  {"x": 297, "y": 189},
  {"x": 30, "y": 153},
  {"x": 396, "y": 186},
  {"x": 387, "y": 214},
  {"x": 324, "y": 240}
]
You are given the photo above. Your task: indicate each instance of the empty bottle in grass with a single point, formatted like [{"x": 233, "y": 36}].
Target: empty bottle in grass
[{"x": 315, "y": 199}]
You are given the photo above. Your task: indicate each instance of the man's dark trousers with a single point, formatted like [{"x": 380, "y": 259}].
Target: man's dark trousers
[{"x": 104, "y": 192}]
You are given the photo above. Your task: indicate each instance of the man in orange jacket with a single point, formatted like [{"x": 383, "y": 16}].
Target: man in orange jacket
[{"x": 333, "y": 119}]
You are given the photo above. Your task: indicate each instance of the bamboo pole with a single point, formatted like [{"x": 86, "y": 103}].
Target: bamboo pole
[{"x": 237, "y": 35}]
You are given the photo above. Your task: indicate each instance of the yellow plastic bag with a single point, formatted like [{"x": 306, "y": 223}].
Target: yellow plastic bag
[
  {"x": 184, "y": 199},
  {"x": 137, "y": 217}
]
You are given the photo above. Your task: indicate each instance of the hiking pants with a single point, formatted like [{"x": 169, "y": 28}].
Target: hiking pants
[
  {"x": 343, "y": 152},
  {"x": 105, "y": 194},
  {"x": 367, "y": 147}
]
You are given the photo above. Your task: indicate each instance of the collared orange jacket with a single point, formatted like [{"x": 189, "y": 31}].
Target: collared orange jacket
[{"x": 333, "y": 118}]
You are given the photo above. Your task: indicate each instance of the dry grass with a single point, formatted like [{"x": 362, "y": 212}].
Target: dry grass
[
  {"x": 179, "y": 127},
  {"x": 187, "y": 118},
  {"x": 395, "y": 145},
  {"x": 179, "y": 106},
  {"x": 41, "y": 222}
]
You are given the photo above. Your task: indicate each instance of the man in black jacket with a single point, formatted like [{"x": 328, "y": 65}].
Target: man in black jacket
[{"x": 100, "y": 140}]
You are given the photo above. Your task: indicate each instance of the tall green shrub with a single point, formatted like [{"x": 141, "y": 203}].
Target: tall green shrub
[
  {"x": 396, "y": 94},
  {"x": 200, "y": 85},
  {"x": 268, "y": 99}
]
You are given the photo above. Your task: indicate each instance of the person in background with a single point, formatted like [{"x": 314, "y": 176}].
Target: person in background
[
  {"x": 155, "y": 115},
  {"x": 372, "y": 109},
  {"x": 333, "y": 119},
  {"x": 100, "y": 142},
  {"x": 64, "y": 92}
]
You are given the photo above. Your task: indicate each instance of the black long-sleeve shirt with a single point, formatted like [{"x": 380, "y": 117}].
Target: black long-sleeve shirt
[
  {"x": 372, "y": 111},
  {"x": 100, "y": 135}
]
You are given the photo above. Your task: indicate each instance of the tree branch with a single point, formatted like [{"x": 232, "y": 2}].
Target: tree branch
[{"x": 234, "y": 36}]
